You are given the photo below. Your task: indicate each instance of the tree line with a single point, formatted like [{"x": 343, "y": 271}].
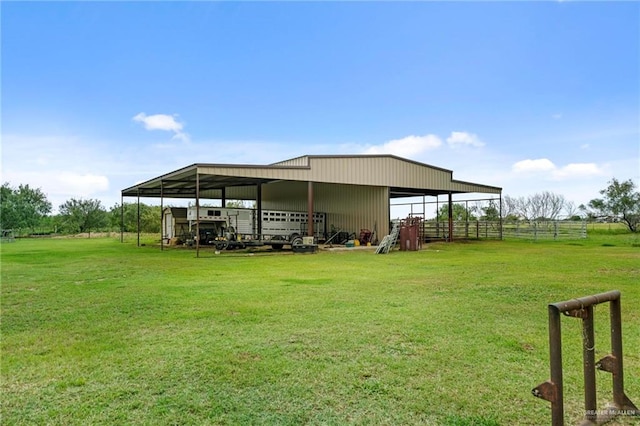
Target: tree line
[
  {"x": 26, "y": 210},
  {"x": 541, "y": 206}
]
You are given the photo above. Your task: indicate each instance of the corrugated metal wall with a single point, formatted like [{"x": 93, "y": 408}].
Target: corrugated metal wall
[
  {"x": 348, "y": 207},
  {"x": 354, "y": 207},
  {"x": 298, "y": 162},
  {"x": 381, "y": 171}
]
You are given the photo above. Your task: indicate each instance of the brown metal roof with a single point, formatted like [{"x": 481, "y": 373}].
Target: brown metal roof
[{"x": 403, "y": 177}]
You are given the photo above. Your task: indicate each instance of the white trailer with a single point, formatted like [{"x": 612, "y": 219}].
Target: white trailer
[
  {"x": 284, "y": 227},
  {"x": 233, "y": 227}
]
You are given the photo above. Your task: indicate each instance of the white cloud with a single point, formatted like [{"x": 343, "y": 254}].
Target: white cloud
[
  {"x": 539, "y": 165},
  {"x": 61, "y": 186},
  {"x": 406, "y": 147},
  {"x": 163, "y": 122},
  {"x": 159, "y": 122},
  {"x": 83, "y": 184},
  {"x": 92, "y": 170},
  {"x": 557, "y": 116},
  {"x": 457, "y": 139},
  {"x": 576, "y": 170},
  {"x": 546, "y": 166}
]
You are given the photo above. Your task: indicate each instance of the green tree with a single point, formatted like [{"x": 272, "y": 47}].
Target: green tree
[
  {"x": 149, "y": 217},
  {"x": 620, "y": 201},
  {"x": 490, "y": 212},
  {"x": 22, "y": 208},
  {"x": 82, "y": 215},
  {"x": 460, "y": 213}
]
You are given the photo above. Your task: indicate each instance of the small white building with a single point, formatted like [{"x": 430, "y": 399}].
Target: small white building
[{"x": 175, "y": 223}]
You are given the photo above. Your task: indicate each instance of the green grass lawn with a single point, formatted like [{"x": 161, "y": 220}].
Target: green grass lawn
[{"x": 102, "y": 332}]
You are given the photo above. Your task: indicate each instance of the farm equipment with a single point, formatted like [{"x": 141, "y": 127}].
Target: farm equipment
[
  {"x": 222, "y": 238},
  {"x": 365, "y": 237}
]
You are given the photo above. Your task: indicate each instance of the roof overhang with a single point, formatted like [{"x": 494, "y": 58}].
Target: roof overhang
[
  {"x": 184, "y": 183},
  {"x": 213, "y": 181}
]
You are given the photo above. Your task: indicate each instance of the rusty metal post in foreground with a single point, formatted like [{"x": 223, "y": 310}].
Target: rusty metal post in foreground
[{"x": 551, "y": 390}]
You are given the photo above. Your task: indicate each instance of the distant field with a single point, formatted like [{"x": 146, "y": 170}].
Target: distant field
[{"x": 99, "y": 332}]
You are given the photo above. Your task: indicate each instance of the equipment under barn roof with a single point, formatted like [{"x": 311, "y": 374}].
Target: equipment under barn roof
[{"x": 353, "y": 191}]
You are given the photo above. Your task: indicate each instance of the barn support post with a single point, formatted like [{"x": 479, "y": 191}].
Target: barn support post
[
  {"x": 386, "y": 230},
  {"x": 310, "y": 209},
  {"x": 438, "y": 215},
  {"x": 161, "y": 215},
  {"x": 500, "y": 218},
  {"x": 450, "y": 203},
  {"x": 138, "y": 219},
  {"x": 121, "y": 218},
  {"x": 259, "y": 209},
  {"x": 197, "y": 214}
]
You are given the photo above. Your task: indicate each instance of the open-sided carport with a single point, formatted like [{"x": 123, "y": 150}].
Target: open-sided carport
[{"x": 353, "y": 190}]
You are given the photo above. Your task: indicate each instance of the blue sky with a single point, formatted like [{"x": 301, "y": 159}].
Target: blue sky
[{"x": 528, "y": 96}]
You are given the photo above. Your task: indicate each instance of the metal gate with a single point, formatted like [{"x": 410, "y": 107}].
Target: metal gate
[{"x": 551, "y": 390}]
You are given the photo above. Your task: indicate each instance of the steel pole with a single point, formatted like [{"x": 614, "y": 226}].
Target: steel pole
[
  {"x": 121, "y": 218},
  {"x": 310, "y": 209},
  {"x": 138, "y": 220},
  {"x": 197, "y": 214},
  {"x": 161, "y": 215},
  {"x": 450, "y": 200},
  {"x": 259, "y": 210}
]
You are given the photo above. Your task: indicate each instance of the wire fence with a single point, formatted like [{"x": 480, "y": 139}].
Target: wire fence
[
  {"x": 539, "y": 230},
  {"x": 545, "y": 230},
  {"x": 480, "y": 219}
]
